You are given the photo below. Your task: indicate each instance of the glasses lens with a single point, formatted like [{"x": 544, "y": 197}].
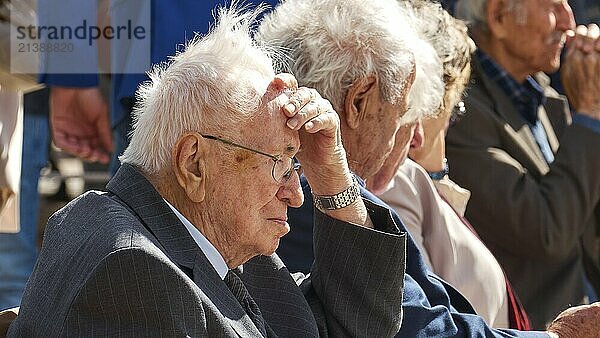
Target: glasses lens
[{"x": 282, "y": 169}]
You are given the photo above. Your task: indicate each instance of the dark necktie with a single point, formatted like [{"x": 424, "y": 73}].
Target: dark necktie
[{"x": 235, "y": 284}]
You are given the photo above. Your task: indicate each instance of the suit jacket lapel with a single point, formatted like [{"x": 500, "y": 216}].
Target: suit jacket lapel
[
  {"x": 140, "y": 196},
  {"x": 552, "y": 139},
  {"x": 213, "y": 286},
  {"x": 516, "y": 124}
]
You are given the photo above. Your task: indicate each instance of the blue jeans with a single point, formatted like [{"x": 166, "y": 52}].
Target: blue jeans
[{"x": 18, "y": 252}]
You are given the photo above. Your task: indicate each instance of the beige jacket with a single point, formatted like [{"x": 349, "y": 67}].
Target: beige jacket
[
  {"x": 11, "y": 140},
  {"x": 448, "y": 246}
]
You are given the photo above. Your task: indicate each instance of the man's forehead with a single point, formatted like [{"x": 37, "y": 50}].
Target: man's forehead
[{"x": 268, "y": 130}]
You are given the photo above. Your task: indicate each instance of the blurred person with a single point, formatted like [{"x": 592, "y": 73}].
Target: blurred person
[
  {"x": 18, "y": 251},
  {"x": 82, "y": 123},
  {"x": 11, "y": 135},
  {"x": 173, "y": 214},
  {"x": 445, "y": 239},
  {"x": 531, "y": 169},
  {"x": 22, "y": 155},
  {"x": 347, "y": 51}
]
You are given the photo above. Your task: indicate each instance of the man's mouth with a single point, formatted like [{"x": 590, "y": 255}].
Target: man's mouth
[
  {"x": 557, "y": 38},
  {"x": 281, "y": 221}
]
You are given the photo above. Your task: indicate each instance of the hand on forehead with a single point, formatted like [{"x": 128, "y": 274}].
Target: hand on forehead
[
  {"x": 278, "y": 92},
  {"x": 282, "y": 82}
]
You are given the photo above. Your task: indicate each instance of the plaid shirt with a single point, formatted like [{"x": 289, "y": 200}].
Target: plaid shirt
[{"x": 526, "y": 97}]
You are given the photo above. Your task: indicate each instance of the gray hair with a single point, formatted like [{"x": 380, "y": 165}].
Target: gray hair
[
  {"x": 332, "y": 43},
  {"x": 427, "y": 92},
  {"x": 214, "y": 84},
  {"x": 450, "y": 39},
  {"x": 474, "y": 12}
]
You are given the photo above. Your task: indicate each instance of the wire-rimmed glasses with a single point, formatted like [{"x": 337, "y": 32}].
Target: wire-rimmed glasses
[{"x": 283, "y": 166}]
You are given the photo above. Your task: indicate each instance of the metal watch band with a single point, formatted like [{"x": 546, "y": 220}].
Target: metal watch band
[{"x": 339, "y": 200}]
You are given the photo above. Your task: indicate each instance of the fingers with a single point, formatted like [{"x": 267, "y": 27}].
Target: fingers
[
  {"x": 80, "y": 123},
  {"x": 587, "y": 38},
  {"x": 299, "y": 99},
  {"x": 305, "y": 114},
  {"x": 85, "y": 148},
  {"x": 580, "y": 72},
  {"x": 307, "y": 108},
  {"x": 282, "y": 82},
  {"x": 592, "y": 37},
  {"x": 327, "y": 121}
]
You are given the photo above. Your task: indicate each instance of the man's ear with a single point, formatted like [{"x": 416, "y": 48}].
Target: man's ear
[
  {"x": 498, "y": 17},
  {"x": 358, "y": 99},
  {"x": 189, "y": 165}
]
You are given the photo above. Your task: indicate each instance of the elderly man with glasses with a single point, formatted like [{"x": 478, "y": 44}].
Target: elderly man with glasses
[{"x": 182, "y": 242}]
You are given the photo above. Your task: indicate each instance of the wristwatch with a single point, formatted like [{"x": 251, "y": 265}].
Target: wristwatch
[{"x": 339, "y": 200}]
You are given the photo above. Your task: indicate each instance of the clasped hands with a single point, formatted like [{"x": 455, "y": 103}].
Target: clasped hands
[{"x": 580, "y": 72}]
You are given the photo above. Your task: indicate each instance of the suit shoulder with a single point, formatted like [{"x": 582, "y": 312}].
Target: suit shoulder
[{"x": 96, "y": 217}]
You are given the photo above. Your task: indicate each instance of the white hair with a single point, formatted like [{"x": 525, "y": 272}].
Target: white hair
[
  {"x": 474, "y": 12},
  {"x": 332, "y": 43},
  {"x": 427, "y": 92},
  {"x": 449, "y": 38},
  {"x": 216, "y": 82}
]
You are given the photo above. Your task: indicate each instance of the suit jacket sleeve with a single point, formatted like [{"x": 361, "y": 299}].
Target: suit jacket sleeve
[
  {"x": 525, "y": 213},
  {"x": 357, "y": 277},
  {"x": 406, "y": 199},
  {"x": 120, "y": 297}
]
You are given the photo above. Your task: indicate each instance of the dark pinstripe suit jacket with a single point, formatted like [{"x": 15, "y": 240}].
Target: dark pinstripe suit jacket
[{"x": 121, "y": 263}]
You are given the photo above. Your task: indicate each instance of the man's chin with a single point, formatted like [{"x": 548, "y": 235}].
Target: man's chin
[
  {"x": 552, "y": 66},
  {"x": 271, "y": 250}
]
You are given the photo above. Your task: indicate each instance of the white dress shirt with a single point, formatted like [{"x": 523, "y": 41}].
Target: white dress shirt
[{"x": 214, "y": 257}]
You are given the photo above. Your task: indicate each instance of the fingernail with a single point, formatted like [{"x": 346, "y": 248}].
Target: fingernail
[
  {"x": 292, "y": 123},
  {"x": 290, "y": 107},
  {"x": 309, "y": 125}
]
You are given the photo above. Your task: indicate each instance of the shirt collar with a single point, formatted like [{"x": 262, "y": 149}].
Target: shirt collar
[
  {"x": 214, "y": 257},
  {"x": 527, "y": 97}
]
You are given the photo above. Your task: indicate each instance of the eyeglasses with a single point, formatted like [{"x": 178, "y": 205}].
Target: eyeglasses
[{"x": 283, "y": 166}]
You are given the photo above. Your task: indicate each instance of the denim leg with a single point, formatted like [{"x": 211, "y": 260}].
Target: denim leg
[{"x": 18, "y": 252}]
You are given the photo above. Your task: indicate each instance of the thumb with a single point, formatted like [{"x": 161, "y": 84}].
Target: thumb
[{"x": 570, "y": 38}]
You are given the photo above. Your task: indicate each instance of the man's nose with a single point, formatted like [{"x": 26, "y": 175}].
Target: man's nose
[
  {"x": 564, "y": 17},
  {"x": 291, "y": 192}
]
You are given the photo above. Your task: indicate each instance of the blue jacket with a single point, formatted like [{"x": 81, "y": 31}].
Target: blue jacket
[
  {"x": 432, "y": 308},
  {"x": 172, "y": 23}
]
